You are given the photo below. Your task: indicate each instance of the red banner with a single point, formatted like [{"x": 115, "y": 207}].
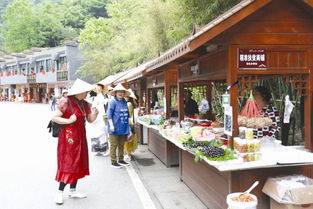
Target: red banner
[{"x": 252, "y": 59}]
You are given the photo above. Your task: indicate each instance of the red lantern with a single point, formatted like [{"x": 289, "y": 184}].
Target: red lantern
[
  {"x": 53, "y": 70},
  {"x": 0, "y": 74},
  {"x": 43, "y": 71}
]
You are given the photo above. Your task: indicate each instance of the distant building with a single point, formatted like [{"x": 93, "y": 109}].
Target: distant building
[{"x": 37, "y": 73}]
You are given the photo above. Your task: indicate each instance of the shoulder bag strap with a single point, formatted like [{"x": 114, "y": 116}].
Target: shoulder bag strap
[{"x": 70, "y": 105}]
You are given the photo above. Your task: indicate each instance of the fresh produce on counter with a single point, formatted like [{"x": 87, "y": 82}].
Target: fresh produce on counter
[
  {"x": 254, "y": 122},
  {"x": 245, "y": 145},
  {"x": 216, "y": 124},
  {"x": 212, "y": 150},
  {"x": 249, "y": 157},
  {"x": 152, "y": 119},
  {"x": 200, "y": 133},
  {"x": 169, "y": 123}
]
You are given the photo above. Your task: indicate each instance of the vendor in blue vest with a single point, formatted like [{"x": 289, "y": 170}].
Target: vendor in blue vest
[{"x": 118, "y": 125}]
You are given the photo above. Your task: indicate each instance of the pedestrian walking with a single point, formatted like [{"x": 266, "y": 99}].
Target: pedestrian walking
[
  {"x": 53, "y": 101},
  {"x": 72, "y": 152},
  {"x": 132, "y": 144},
  {"x": 118, "y": 126},
  {"x": 97, "y": 130}
]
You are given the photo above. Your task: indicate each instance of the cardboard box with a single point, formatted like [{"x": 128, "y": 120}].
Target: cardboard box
[
  {"x": 290, "y": 191},
  {"x": 276, "y": 205}
]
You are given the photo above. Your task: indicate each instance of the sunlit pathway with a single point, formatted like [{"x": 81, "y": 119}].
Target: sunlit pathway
[{"x": 28, "y": 167}]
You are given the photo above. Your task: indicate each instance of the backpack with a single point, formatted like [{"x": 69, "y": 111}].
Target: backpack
[{"x": 54, "y": 127}]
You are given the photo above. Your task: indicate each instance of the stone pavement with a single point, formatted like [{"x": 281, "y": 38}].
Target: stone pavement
[{"x": 28, "y": 167}]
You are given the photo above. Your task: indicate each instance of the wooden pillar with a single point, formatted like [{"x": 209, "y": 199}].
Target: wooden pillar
[
  {"x": 231, "y": 78},
  {"x": 308, "y": 103},
  {"x": 167, "y": 92},
  {"x": 148, "y": 102},
  {"x": 142, "y": 90},
  {"x": 181, "y": 111}
]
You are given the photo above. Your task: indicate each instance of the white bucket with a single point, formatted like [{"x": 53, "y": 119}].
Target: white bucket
[{"x": 241, "y": 205}]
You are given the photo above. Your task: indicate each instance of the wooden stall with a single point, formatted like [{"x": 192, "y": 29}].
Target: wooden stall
[
  {"x": 253, "y": 41},
  {"x": 163, "y": 81}
]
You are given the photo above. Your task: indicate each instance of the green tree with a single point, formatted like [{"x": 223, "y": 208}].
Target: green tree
[
  {"x": 20, "y": 32},
  {"x": 137, "y": 31}
]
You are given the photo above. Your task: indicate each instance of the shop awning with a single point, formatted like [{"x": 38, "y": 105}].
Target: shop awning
[
  {"x": 133, "y": 74},
  {"x": 111, "y": 78}
]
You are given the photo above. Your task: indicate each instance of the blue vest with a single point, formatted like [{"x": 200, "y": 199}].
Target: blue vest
[{"x": 118, "y": 112}]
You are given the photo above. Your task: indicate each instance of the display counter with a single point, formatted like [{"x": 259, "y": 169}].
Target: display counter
[
  {"x": 212, "y": 185},
  {"x": 162, "y": 148},
  {"x": 212, "y": 181}
]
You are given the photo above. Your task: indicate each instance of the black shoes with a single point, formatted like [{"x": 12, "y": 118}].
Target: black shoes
[
  {"x": 116, "y": 165},
  {"x": 123, "y": 163}
]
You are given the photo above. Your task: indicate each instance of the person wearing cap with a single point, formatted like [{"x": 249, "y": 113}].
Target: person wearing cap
[
  {"x": 64, "y": 92},
  {"x": 72, "y": 152},
  {"x": 118, "y": 126},
  {"x": 131, "y": 145}
]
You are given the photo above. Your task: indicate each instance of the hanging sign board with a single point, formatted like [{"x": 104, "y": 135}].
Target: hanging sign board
[{"x": 252, "y": 59}]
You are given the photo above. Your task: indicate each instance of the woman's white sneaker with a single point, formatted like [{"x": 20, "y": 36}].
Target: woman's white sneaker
[
  {"x": 59, "y": 198},
  {"x": 76, "y": 194}
]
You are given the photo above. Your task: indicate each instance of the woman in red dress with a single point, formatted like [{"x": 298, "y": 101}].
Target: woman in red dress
[{"x": 72, "y": 112}]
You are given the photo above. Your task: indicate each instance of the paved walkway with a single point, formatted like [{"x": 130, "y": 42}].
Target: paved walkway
[{"x": 28, "y": 167}]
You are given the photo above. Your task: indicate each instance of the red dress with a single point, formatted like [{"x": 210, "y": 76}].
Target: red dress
[{"x": 72, "y": 145}]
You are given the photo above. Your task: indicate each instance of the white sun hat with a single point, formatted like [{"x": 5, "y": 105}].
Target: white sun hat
[
  {"x": 120, "y": 87},
  {"x": 132, "y": 94},
  {"x": 64, "y": 91},
  {"x": 79, "y": 87}
]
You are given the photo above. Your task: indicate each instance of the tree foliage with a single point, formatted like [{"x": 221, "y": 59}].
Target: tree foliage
[
  {"x": 45, "y": 23},
  {"x": 21, "y": 22},
  {"x": 137, "y": 31},
  {"x": 114, "y": 34}
]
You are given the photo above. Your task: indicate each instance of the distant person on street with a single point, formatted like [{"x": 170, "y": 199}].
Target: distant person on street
[
  {"x": 118, "y": 126},
  {"x": 64, "y": 93},
  {"x": 53, "y": 101},
  {"x": 72, "y": 144}
]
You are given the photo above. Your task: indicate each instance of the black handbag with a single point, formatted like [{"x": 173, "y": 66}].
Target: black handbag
[{"x": 55, "y": 128}]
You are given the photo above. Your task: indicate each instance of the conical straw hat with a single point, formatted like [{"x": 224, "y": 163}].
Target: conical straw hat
[
  {"x": 120, "y": 87},
  {"x": 132, "y": 94},
  {"x": 79, "y": 86}
]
